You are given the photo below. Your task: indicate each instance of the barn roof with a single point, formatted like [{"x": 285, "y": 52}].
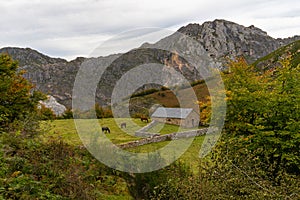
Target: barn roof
[{"x": 180, "y": 113}]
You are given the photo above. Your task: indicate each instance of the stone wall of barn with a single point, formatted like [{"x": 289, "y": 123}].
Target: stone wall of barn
[
  {"x": 167, "y": 120},
  {"x": 192, "y": 120}
]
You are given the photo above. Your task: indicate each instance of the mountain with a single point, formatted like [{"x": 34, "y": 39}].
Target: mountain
[
  {"x": 223, "y": 39},
  {"x": 273, "y": 59},
  {"x": 30, "y": 57},
  {"x": 217, "y": 41}
]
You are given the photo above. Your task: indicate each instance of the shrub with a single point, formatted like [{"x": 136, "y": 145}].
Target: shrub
[
  {"x": 45, "y": 113},
  {"x": 18, "y": 103}
]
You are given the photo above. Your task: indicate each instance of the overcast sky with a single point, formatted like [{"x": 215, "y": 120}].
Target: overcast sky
[{"x": 74, "y": 28}]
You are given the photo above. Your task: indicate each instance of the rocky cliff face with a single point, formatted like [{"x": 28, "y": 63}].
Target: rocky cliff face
[
  {"x": 217, "y": 40},
  {"x": 223, "y": 39}
]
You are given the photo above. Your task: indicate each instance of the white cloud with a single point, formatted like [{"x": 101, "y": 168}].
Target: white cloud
[
  {"x": 69, "y": 28},
  {"x": 128, "y": 40}
]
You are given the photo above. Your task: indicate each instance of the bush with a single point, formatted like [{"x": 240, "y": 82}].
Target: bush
[
  {"x": 45, "y": 113},
  {"x": 18, "y": 103},
  {"x": 68, "y": 114},
  {"x": 164, "y": 88},
  {"x": 197, "y": 82},
  {"x": 173, "y": 182},
  {"x": 145, "y": 92},
  {"x": 31, "y": 169}
]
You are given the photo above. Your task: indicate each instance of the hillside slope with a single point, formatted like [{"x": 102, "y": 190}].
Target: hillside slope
[
  {"x": 273, "y": 59},
  {"x": 217, "y": 40}
]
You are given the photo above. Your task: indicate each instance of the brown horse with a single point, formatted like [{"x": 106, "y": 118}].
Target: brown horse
[
  {"x": 123, "y": 125},
  {"x": 144, "y": 119},
  {"x": 105, "y": 129}
]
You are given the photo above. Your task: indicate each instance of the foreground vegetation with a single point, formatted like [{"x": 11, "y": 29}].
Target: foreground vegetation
[
  {"x": 32, "y": 169},
  {"x": 65, "y": 130},
  {"x": 257, "y": 156}
]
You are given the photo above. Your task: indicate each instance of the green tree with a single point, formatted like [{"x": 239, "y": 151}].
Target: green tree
[
  {"x": 102, "y": 112},
  {"x": 99, "y": 111},
  {"x": 258, "y": 154},
  {"x": 45, "y": 113},
  {"x": 262, "y": 122},
  {"x": 18, "y": 101},
  {"x": 68, "y": 114}
]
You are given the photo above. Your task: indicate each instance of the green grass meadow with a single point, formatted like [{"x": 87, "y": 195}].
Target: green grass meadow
[{"x": 66, "y": 130}]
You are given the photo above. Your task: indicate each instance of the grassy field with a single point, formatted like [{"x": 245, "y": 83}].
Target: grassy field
[
  {"x": 190, "y": 157},
  {"x": 167, "y": 128},
  {"x": 66, "y": 130}
]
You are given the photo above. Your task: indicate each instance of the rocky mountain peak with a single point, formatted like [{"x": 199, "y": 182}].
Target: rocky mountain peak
[
  {"x": 218, "y": 25},
  {"x": 28, "y": 56},
  {"x": 222, "y": 39}
]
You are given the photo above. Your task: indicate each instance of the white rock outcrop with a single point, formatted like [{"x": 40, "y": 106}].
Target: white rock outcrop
[{"x": 57, "y": 108}]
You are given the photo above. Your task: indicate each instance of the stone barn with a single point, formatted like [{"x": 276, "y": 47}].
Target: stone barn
[{"x": 185, "y": 117}]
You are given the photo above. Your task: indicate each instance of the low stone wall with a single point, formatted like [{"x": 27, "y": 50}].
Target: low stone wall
[
  {"x": 143, "y": 131},
  {"x": 188, "y": 134},
  {"x": 144, "y": 141},
  {"x": 145, "y": 134},
  {"x": 161, "y": 138}
]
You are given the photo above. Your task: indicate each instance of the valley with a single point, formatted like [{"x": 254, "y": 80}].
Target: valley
[{"x": 256, "y": 156}]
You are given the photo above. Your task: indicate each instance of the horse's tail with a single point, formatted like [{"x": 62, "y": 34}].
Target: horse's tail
[{"x": 108, "y": 130}]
